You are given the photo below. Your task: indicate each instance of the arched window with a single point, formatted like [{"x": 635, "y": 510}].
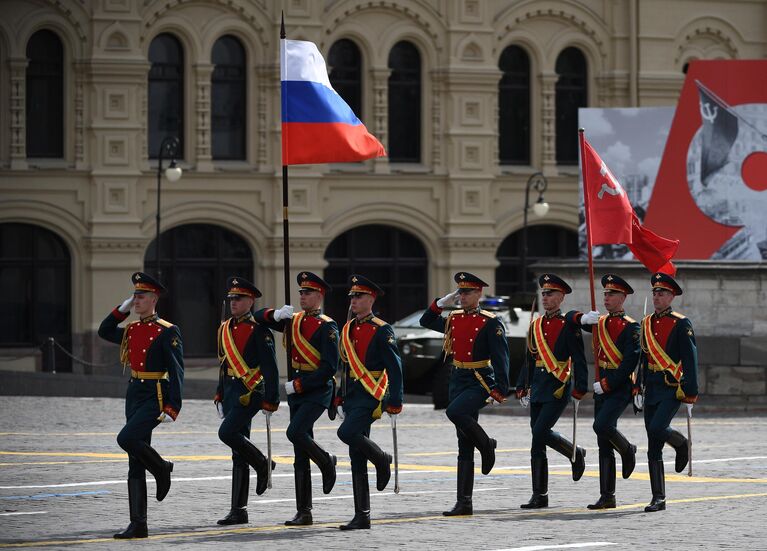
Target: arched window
[
  {"x": 35, "y": 279},
  {"x": 395, "y": 259},
  {"x": 195, "y": 261},
  {"x": 544, "y": 242},
  {"x": 571, "y": 93},
  {"x": 404, "y": 104},
  {"x": 45, "y": 96},
  {"x": 166, "y": 92},
  {"x": 345, "y": 76},
  {"x": 228, "y": 99},
  {"x": 514, "y": 107}
]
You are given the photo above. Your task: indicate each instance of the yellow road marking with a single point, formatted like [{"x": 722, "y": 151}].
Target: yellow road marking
[
  {"x": 405, "y": 520},
  {"x": 446, "y": 425}
]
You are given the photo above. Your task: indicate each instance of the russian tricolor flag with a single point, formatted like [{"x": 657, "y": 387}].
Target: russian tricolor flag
[{"x": 318, "y": 126}]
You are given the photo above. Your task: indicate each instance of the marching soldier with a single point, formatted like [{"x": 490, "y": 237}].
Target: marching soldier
[
  {"x": 670, "y": 377},
  {"x": 476, "y": 339},
  {"x": 152, "y": 348},
  {"x": 248, "y": 382},
  {"x": 314, "y": 361},
  {"x": 555, "y": 357},
  {"x": 617, "y": 353},
  {"x": 373, "y": 384}
]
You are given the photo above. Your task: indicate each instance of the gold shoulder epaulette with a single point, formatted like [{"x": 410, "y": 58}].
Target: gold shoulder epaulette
[
  {"x": 487, "y": 313},
  {"x": 164, "y": 323},
  {"x": 629, "y": 319},
  {"x": 378, "y": 321},
  {"x": 454, "y": 312},
  {"x": 676, "y": 315},
  {"x": 323, "y": 317}
]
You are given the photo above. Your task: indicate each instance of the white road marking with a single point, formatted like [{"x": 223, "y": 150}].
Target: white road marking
[
  {"x": 563, "y": 546},
  {"x": 377, "y": 494},
  {"x": 23, "y": 513}
]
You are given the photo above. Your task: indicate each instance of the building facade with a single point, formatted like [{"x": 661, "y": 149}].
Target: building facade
[{"x": 471, "y": 98}]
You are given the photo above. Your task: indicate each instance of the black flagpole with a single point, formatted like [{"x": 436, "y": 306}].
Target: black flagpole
[{"x": 287, "y": 331}]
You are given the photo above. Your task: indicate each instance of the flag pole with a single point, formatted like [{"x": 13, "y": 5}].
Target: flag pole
[
  {"x": 287, "y": 331},
  {"x": 582, "y": 142}
]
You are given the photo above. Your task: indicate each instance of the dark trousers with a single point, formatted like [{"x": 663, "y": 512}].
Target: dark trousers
[
  {"x": 607, "y": 411},
  {"x": 463, "y": 411},
  {"x": 301, "y": 430},
  {"x": 657, "y": 418},
  {"x": 543, "y": 416},
  {"x": 235, "y": 428},
  {"x": 141, "y": 411},
  {"x": 357, "y": 422}
]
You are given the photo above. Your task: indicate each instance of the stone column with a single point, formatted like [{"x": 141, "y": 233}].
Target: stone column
[
  {"x": 18, "y": 70},
  {"x": 548, "y": 81},
  {"x": 379, "y": 76},
  {"x": 203, "y": 155}
]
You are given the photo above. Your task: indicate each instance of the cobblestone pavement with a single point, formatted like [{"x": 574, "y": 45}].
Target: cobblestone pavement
[{"x": 62, "y": 485}]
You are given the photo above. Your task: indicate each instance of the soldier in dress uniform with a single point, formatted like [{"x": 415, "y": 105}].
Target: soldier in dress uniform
[
  {"x": 616, "y": 338},
  {"x": 670, "y": 377},
  {"x": 476, "y": 340},
  {"x": 152, "y": 348},
  {"x": 248, "y": 383},
  {"x": 314, "y": 361},
  {"x": 555, "y": 359},
  {"x": 373, "y": 384}
]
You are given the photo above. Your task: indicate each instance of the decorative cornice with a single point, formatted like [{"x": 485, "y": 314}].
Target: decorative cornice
[
  {"x": 95, "y": 244},
  {"x": 472, "y": 243}
]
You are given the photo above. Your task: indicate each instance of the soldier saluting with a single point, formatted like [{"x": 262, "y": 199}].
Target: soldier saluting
[
  {"x": 617, "y": 353},
  {"x": 555, "y": 357},
  {"x": 248, "y": 383},
  {"x": 670, "y": 376},
  {"x": 152, "y": 348},
  {"x": 314, "y": 361},
  {"x": 476, "y": 340},
  {"x": 373, "y": 381}
]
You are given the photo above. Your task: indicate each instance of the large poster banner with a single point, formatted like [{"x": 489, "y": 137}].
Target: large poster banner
[{"x": 709, "y": 188}]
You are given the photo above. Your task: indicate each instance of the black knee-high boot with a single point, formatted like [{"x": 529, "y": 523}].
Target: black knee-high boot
[
  {"x": 159, "y": 468},
  {"x": 463, "y": 505},
  {"x": 137, "y": 505},
  {"x": 361, "y": 520},
  {"x": 377, "y": 457},
  {"x": 658, "y": 486},
  {"x": 540, "y": 497},
  {"x": 606, "y": 483},
  {"x": 238, "y": 514},
  {"x": 303, "y": 480},
  {"x": 627, "y": 451},
  {"x": 565, "y": 447}
]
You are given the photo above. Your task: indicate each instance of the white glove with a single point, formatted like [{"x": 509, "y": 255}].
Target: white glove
[
  {"x": 448, "y": 299},
  {"x": 590, "y": 318},
  {"x": 638, "y": 401},
  {"x": 289, "y": 388},
  {"x": 219, "y": 409},
  {"x": 598, "y": 388},
  {"x": 283, "y": 313},
  {"x": 165, "y": 418},
  {"x": 689, "y": 409},
  {"x": 524, "y": 401},
  {"x": 126, "y": 305},
  {"x": 340, "y": 412}
]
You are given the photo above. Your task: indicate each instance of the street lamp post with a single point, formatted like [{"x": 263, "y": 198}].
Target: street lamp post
[
  {"x": 538, "y": 182},
  {"x": 169, "y": 149}
]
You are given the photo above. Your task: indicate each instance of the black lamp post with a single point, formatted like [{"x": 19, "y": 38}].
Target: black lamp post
[
  {"x": 538, "y": 182},
  {"x": 169, "y": 149}
]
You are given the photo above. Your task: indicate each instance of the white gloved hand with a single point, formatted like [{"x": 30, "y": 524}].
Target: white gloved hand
[
  {"x": 165, "y": 418},
  {"x": 289, "y": 388},
  {"x": 524, "y": 401},
  {"x": 598, "y": 388},
  {"x": 689, "y": 409},
  {"x": 283, "y": 313},
  {"x": 590, "y": 318},
  {"x": 340, "y": 412},
  {"x": 219, "y": 409},
  {"x": 638, "y": 401},
  {"x": 126, "y": 305},
  {"x": 448, "y": 299}
]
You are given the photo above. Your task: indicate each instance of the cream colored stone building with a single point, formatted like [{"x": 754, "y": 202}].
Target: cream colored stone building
[{"x": 456, "y": 196}]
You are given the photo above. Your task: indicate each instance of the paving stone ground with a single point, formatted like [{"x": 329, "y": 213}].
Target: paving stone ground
[{"x": 62, "y": 485}]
